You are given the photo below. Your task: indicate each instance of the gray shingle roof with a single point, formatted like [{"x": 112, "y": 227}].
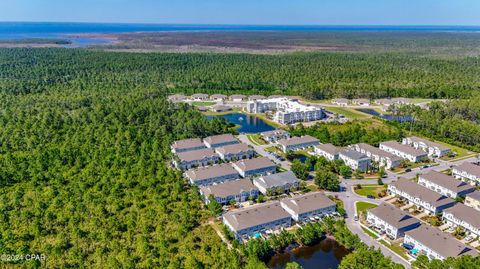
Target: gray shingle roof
[
  {"x": 308, "y": 202},
  {"x": 393, "y": 216},
  {"x": 274, "y": 132},
  {"x": 474, "y": 195},
  {"x": 421, "y": 192},
  {"x": 376, "y": 151},
  {"x": 298, "y": 140},
  {"x": 213, "y": 171},
  {"x": 234, "y": 149},
  {"x": 255, "y": 163},
  {"x": 404, "y": 148},
  {"x": 465, "y": 213},
  {"x": 229, "y": 188},
  {"x": 329, "y": 148},
  {"x": 218, "y": 139},
  {"x": 277, "y": 180},
  {"x": 196, "y": 154},
  {"x": 470, "y": 168},
  {"x": 187, "y": 143},
  {"x": 255, "y": 215},
  {"x": 428, "y": 143},
  {"x": 446, "y": 181},
  {"x": 354, "y": 155}
]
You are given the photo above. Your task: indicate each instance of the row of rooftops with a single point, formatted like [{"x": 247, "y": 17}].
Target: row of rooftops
[
  {"x": 446, "y": 181},
  {"x": 469, "y": 168},
  {"x": 421, "y": 192},
  {"x": 440, "y": 242},
  {"x": 376, "y": 151},
  {"x": 334, "y": 151},
  {"x": 384, "y": 101},
  {"x": 264, "y": 213},
  {"x": 404, "y": 148},
  {"x": 298, "y": 140},
  {"x": 428, "y": 143},
  {"x": 180, "y": 97}
]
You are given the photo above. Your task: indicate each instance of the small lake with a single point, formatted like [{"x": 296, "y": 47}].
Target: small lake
[
  {"x": 398, "y": 118},
  {"x": 324, "y": 255},
  {"x": 247, "y": 123}
]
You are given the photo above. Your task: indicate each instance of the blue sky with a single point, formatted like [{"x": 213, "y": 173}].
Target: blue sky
[{"x": 292, "y": 12}]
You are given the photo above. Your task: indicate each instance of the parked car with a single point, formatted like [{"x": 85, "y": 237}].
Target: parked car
[
  {"x": 426, "y": 166},
  {"x": 355, "y": 218},
  {"x": 408, "y": 170},
  {"x": 370, "y": 196}
]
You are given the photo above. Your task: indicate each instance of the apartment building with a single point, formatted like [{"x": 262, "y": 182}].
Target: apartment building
[
  {"x": 250, "y": 221},
  {"x": 463, "y": 216},
  {"x": 297, "y": 143},
  {"x": 214, "y": 174},
  {"x": 187, "y": 145},
  {"x": 304, "y": 208},
  {"x": 195, "y": 158},
  {"x": 235, "y": 152},
  {"x": 403, "y": 151},
  {"x": 468, "y": 172},
  {"x": 236, "y": 190},
  {"x": 383, "y": 158},
  {"x": 431, "y": 148},
  {"x": 255, "y": 167},
  {"x": 275, "y": 135},
  {"x": 277, "y": 182},
  {"x": 329, "y": 151},
  {"x": 473, "y": 200},
  {"x": 393, "y": 221},
  {"x": 429, "y": 201},
  {"x": 444, "y": 184},
  {"x": 354, "y": 159},
  {"x": 222, "y": 140},
  {"x": 435, "y": 244},
  {"x": 286, "y": 111}
]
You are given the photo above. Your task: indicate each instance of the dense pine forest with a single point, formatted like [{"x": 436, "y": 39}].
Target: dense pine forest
[{"x": 312, "y": 75}]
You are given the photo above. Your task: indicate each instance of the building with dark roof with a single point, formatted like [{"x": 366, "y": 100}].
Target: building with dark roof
[
  {"x": 209, "y": 175},
  {"x": 218, "y": 97},
  {"x": 235, "y": 190},
  {"x": 304, "y": 207},
  {"x": 355, "y": 160},
  {"x": 187, "y": 145},
  {"x": 235, "y": 152},
  {"x": 222, "y": 140},
  {"x": 280, "y": 182},
  {"x": 298, "y": 143},
  {"x": 445, "y": 184},
  {"x": 194, "y": 158},
  {"x": 200, "y": 96},
  {"x": 255, "y": 167},
  {"x": 393, "y": 221}
]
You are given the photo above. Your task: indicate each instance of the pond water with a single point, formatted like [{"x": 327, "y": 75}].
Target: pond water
[
  {"x": 247, "y": 123},
  {"x": 325, "y": 254},
  {"x": 399, "y": 118}
]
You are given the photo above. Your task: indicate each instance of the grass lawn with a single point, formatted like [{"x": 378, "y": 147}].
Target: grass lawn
[
  {"x": 349, "y": 113},
  {"x": 363, "y": 206},
  {"x": 203, "y": 103},
  {"x": 367, "y": 231},
  {"x": 256, "y": 139},
  {"x": 397, "y": 248},
  {"x": 371, "y": 190},
  {"x": 432, "y": 220},
  {"x": 211, "y": 113}
]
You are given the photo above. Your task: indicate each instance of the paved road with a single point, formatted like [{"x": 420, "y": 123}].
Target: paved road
[{"x": 261, "y": 150}]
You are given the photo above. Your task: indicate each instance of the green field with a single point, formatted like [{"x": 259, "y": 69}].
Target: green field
[
  {"x": 206, "y": 103},
  {"x": 256, "y": 139},
  {"x": 349, "y": 113},
  {"x": 396, "y": 248},
  {"x": 365, "y": 230},
  {"x": 363, "y": 206},
  {"x": 371, "y": 190}
]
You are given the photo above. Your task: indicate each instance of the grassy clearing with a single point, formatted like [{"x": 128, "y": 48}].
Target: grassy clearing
[
  {"x": 256, "y": 139},
  {"x": 367, "y": 231},
  {"x": 211, "y": 113},
  {"x": 374, "y": 190},
  {"x": 206, "y": 103},
  {"x": 397, "y": 248},
  {"x": 349, "y": 113},
  {"x": 363, "y": 206}
]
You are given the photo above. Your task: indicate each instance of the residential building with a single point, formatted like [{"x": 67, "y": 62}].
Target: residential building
[
  {"x": 297, "y": 143},
  {"x": 431, "y": 148},
  {"x": 329, "y": 151},
  {"x": 384, "y": 102},
  {"x": 340, "y": 102},
  {"x": 200, "y": 157},
  {"x": 256, "y": 97},
  {"x": 304, "y": 208},
  {"x": 218, "y": 97},
  {"x": 236, "y": 190},
  {"x": 467, "y": 171},
  {"x": 392, "y": 221},
  {"x": 361, "y": 102},
  {"x": 275, "y": 135},
  {"x": 255, "y": 167},
  {"x": 383, "y": 158},
  {"x": 281, "y": 182},
  {"x": 286, "y": 111},
  {"x": 200, "y": 96},
  {"x": 463, "y": 216},
  {"x": 235, "y": 152},
  {"x": 187, "y": 145},
  {"x": 237, "y": 97},
  {"x": 214, "y": 174},
  {"x": 354, "y": 159},
  {"x": 445, "y": 184},
  {"x": 222, "y": 140},
  {"x": 403, "y": 151},
  {"x": 250, "y": 221},
  {"x": 473, "y": 200},
  {"x": 435, "y": 244},
  {"x": 429, "y": 201}
]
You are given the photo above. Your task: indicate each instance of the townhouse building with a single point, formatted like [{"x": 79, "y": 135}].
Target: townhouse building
[
  {"x": 444, "y": 184},
  {"x": 297, "y": 143},
  {"x": 390, "y": 220},
  {"x": 195, "y": 158},
  {"x": 222, "y": 140},
  {"x": 383, "y": 158},
  {"x": 463, "y": 216},
  {"x": 236, "y": 190},
  {"x": 214, "y": 174},
  {"x": 340, "y": 102},
  {"x": 329, "y": 151},
  {"x": 255, "y": 167},
  {"x": 250, "y": 221},
  {"x": 235, "y": 152},
  {"x": 473, "y": 200},
  {"x": 280, "y": 182},
  {"x": 361, "y": 102},
  {"x": 431, "y": 148},
  {"x": 218, "y": 97},
  {"x": 237, "y": 97},
  {"x": 435, "y": 244},
  {"x": 355, "y": 160},
  {"x": 200, "y": 97},
  {"x": 187, "y": 145},
  {"x": 275, "y": 135},
  {"x": 427, "y": 200},
  {"x": 403, "y": 151},
  {"x": 256, "y": 97},
  {"x": 304, "y": 208},
  {"x": 468, "y": 172}
]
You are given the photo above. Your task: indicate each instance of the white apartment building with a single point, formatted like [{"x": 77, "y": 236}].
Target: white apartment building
[
  {"x": 463, "y": 216},
  {"x": 297, "y": 143},
  {"x": 275, "y": 182},
  {"x": 473, "y": 200},
  {"x": 275, "y": 135},
  {"x": 304, "y": 207},
  {"x": 355, "y": 160},
  {"x": 393, "y": 221},
  {"x": 468, "y": 172},
  {"x": 431, "y": 148},
  {"x": 329, "y": 151},
  {"x": 403, "y": 151},
  {"x": 235, "y": 152},
  {"x": 255, "y": 167},
  {"x": 444, "y": 184},
  {"x": 383, "y": 158},
  {"x": 235, "y": 190},
  {"x": 286, "y": 111}
]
